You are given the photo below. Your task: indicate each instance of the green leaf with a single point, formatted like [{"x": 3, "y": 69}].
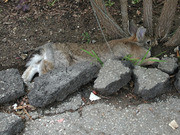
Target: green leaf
[
  {"x": 88, "y": 52},
  {"x": 156, "y": 60},
  {"x": 160, "y": 54},
  {"x": 94, "y": 55},
  {"x": 145, "y": 56},
  {"x": 98, "y": 59}
]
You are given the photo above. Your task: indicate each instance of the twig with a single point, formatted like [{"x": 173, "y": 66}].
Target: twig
[{"x": 101, "y": 27}]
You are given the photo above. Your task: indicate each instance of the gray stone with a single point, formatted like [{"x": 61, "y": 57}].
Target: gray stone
[
  {"x": 72, "y": 103},
  {"x": 10, "y": 124},
  {"x": 58, "y": 84},
  {"x": 4, "y": 40},
  {"x": 177, "y": 81},
  {"x": 150, "y": 82},
  {"x": 169, "y": 66},
  {"x": 11, "y": 85},
  {"x": 112, "y": 76},
  {"x": 93, "y": 41}
]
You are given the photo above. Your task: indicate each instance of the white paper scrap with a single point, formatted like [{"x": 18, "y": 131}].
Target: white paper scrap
[
  {"x": 173, "y": 124},
  {"x": 93, "y": 97}
]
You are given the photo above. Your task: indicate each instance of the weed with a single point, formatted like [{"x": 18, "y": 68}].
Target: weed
[
  {"x": 94, "y": 55},
  {"x": 160, "y": 54},
  {"x": 137, "y": 61},
  {"x": 135, "y": 1},
  {"x": 86, "y": 37},
  {"x": 109, "y": 3},
  {"x": 133, "y": 60},
  {"x": 145, "y": 56},
  {"x": 51, "y": 3}
]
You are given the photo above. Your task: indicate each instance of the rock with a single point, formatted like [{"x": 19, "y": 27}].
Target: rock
[
  {"x": 4, "y": 40},
  {"x": 93, "y": 41},
  {"x": 58, "y": 84},
  {"x": 169, "y": 66},
  {"x": 150, "y": 82},
  {"x": 11, "y": 85},
  {"x": 177, "y": 81},
  {"x": 112, "y": 76},
  {"x": 72, "y": 103},
  {"x": 10, "y": 124}
]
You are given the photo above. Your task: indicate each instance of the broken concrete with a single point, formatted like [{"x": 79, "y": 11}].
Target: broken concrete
[
  {"x": 58, "y": 84},
  {"x": 11, "y": 85},
  {"x": 70, "y": 104},
  {"x": 112, "y": 76},
  {"x": 169, "y": 66},
  {"x": 10, "y": 124},
  {"x": 150, "y": 82}
]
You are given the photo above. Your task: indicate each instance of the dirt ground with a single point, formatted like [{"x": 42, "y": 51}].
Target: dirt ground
[{"x": 65, "y": 21}]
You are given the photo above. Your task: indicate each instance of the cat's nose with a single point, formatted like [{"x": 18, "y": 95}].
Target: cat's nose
[{"x": 148, "y": 42}]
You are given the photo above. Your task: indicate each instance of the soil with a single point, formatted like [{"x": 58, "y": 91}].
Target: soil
[{"x": 65, "y": 21}]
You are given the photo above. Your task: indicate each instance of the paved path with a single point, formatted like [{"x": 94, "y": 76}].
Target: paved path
[{"x": 105, "y": 119}]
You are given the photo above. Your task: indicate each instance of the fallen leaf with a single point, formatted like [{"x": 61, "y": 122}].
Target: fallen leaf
[
  {"x": 94, "y": 92},
  {"x": 83, "y": 99},
  {"x": 177, "y": 53},
  {"x": 138, "y": 12}
]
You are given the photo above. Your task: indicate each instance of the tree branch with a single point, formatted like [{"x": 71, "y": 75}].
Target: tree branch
[
  {"x": 124, "y": 13},
  {"x": 147, "y": 15},
  {"x": 166, "y": 18},
  {"x": 175, "y": 39},
  {"x": 106, "y": 20}
]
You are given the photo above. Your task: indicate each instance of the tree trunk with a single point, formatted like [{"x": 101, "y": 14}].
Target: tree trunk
[
  {"x": 106, "y": 20},
  {"x": 147, "y": 15},
  {"x": 166, "y": 18},
  {"x": 124, "y": 13},
  {"x": 175, "y": 39}
]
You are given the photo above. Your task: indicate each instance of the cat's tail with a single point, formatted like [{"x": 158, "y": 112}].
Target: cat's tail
[
  {"x": 34, "y": 60},
  {"x": 39, "y": 63}
]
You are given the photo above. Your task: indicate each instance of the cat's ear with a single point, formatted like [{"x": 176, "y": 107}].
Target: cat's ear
[
  {"x": 132, "y": 28},
  {"x": 140, "y": 34}
]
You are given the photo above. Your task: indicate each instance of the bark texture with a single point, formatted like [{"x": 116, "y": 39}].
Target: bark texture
[
  {"x": 147, "y": 15},
  {"x": 166, "y": 18},
  {"x": 106, "y": 20},
  {"x": 124, "y": 13},
  {"x": 175, "y": 39}
]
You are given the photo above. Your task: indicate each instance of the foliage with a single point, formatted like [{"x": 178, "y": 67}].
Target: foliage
[
  {"x": 137, "y": 61},
  {"x": 135, "y": 1},
  {"x": 94, "y": 55},
  {"x": 109, "y": 3},
  {"x": 145, "y": 56},
  {"x": 86, "y": 37},
  {"x": 51, "y": 3}
]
